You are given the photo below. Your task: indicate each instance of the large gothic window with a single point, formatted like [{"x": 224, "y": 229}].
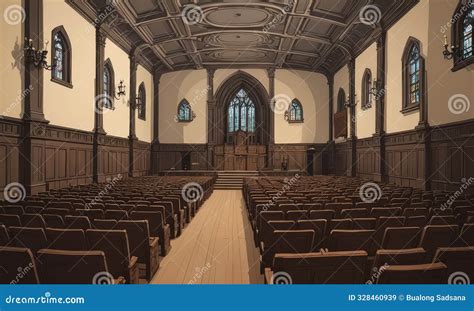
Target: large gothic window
[
  {"x": 61, "y": 54},
  {"x": 413, "y": 76},
  {"x": 241, "y": 113},
  {"x": 462, "y": 34}
]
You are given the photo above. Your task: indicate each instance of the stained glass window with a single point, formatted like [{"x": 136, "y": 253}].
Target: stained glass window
[
  {"x": 142, "y": 107},
  {"x": 414, "y": 75},
  {"x": 467, "y": 34},
  {"x": 295, "y": 111},
  {"x": 241, "y": 113},
  {"x": 108, "y": 86},
  {"x": 59, "y": 51},
  {"x": 184, "y": 111}
]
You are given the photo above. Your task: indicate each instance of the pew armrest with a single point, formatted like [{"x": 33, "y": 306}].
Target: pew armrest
[{"x": 268, "y": 276}]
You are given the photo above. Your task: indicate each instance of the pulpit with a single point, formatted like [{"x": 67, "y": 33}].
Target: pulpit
[{"x": 240, "y": 154}]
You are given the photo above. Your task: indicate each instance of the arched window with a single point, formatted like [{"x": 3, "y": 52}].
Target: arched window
[
  {"x": 109, "y": 85},
  {"x": 295, "y": 112},
  {"x": 61, "y": 54},
  {"x": 413, "y": 76},
  {"x": 185, "y": 113},
  {"x": 366, "y": 90},
  {"x": 462, "y": 34},
  {"x": 241, "y": 113},
  {"x": 341, "y": 99},
  {"x": 142, "y": 107}
]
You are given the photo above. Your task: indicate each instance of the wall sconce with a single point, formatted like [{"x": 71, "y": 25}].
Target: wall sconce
[
  {"x": 447, "y": 53},
  {"x": 121, "y": 90},
  {"x": 37, "y": 57},
  {"x": 287, "y": 115}
]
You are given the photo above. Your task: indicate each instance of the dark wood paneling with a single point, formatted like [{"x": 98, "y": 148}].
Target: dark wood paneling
[
  {"x": 170, "y": 156},
  {"x": 10, "y": 131},
  {"x": 341, "y": 158}
]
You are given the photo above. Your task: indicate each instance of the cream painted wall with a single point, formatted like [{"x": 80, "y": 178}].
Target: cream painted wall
[
  {"x": 144, "y": 129},
  {"x": 414, "y": 24},
  {"x": 446, "y": 87},
  {"x": 311, "y": 89},
  {"x": 73, "y": 108},
  {"x": 116, "y": 122},
  {"x": 174, "y": 87},
  {"x": 341, "y": 80},
  {"x": 365, "y": 120},
  {"x": 11, "y": 44}
]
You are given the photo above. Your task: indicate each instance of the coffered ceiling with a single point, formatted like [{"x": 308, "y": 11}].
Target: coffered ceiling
[{"x": 315, "y": 35}]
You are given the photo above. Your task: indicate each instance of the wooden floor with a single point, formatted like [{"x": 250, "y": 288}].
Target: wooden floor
[{"x": 215, "y": 248}]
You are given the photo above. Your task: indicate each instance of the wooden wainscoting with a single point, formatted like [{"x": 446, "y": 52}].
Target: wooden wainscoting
[
  {"x": 342, "y": 160},
  {"x": 173, "y": 156},
  {"x": 368, "y": 158},
  {"x": 452, "y": 155},
  {"x": 10, "y": 137}
]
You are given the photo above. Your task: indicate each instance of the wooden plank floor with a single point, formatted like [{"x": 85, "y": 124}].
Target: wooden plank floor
[{"x": 215, "y": 248}]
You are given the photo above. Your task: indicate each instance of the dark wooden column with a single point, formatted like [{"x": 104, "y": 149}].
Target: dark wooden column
[
  {"x": 271, "y": 118},
  {"x": 211, "y": 120},
  {"x": 424, "y": 129},
  {"x": 331, "y": 146},
  {"x": 31, "y": 166},
  {"x": 155, "y": 144},
  {"x": 379, "y": 136},
  {"x": 99, "y": 132},
  {"x": 132, "y": 137},
  {"x": 352, "y": 110}
]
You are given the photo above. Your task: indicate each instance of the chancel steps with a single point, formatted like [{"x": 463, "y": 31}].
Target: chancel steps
[{"x": 232, "y": 179}]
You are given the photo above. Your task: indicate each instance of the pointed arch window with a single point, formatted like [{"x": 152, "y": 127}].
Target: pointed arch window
[
  {"x": 109, "y": 85},
  {"x": 185, "y": 113},
  {"x": 341, "y": 100},
  {"x": 413, "y": 76},
  {"x": 61, "y": 54},
  {"x": 462, "y": 34},
  {"x": 366, "y": 90},
  {"x": 141, "y": 108},
  {"x": 295, "y": 112},
  {"x": 241, "y": 113}
]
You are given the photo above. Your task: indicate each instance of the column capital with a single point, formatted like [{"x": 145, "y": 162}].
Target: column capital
[{"x": 271, "y": 72}]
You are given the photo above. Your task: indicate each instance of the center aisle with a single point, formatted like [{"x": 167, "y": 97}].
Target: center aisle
[{"x": 215, "y": 248}]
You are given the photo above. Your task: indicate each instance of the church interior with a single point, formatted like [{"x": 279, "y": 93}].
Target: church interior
[{"x": 236, "y": 142}]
